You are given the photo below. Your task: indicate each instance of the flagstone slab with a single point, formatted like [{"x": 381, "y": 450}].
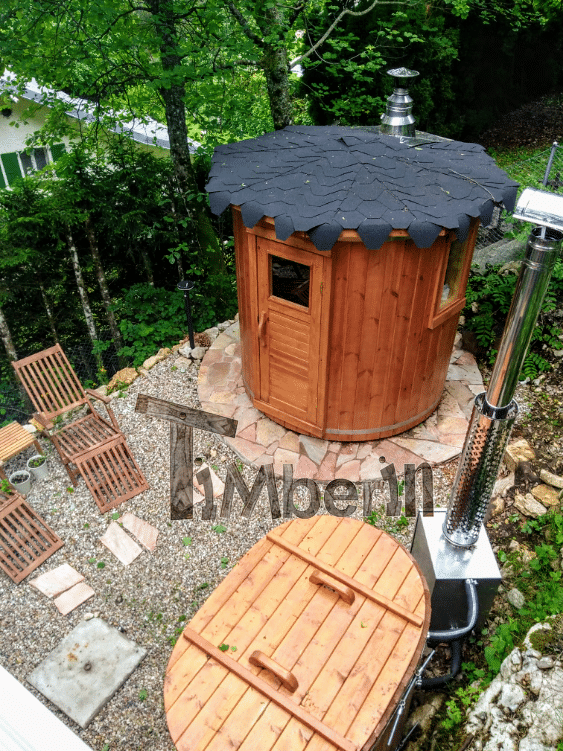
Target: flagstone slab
[
  {"x": 73, "y": 597},
  {"x": 260, "y": 440},
  {"x": 429, "y": 451},
  {"x": 142, "y": 530},
  {"x": 57, "y": 580},
  {"x": 118, "y": 542},
  {"x": 86, "y": 669}
]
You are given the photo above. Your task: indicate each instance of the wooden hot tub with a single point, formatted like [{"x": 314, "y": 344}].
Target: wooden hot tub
[{"x": 353, "y": 251}]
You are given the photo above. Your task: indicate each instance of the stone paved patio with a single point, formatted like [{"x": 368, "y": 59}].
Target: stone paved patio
[{"x": 260, "y": 440}]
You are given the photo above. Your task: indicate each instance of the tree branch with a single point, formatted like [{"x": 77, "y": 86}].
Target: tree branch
[
  {"x": 296, "y": 12},
  {"x": 335, "y": 23},
  {"x": 244, "y": 25}
]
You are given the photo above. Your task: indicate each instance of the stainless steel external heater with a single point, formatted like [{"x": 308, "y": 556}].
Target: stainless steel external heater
[{"x": 452, "y": 548}]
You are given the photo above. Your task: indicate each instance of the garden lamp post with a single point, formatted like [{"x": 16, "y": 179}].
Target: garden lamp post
[{"x": 186, "y": 285}]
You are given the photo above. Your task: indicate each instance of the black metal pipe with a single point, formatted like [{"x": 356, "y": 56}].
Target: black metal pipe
[
  {"x": 455, "y": 664},
  {"x": 452, "y": 634},
  {"x": 186, "y": 285}
]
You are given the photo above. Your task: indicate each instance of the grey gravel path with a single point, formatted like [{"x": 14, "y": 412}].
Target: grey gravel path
[{"x": 150, "y": 600}]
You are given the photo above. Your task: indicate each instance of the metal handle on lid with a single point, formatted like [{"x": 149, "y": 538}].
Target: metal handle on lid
[
  {"x": 260, "y": 660},
  {"x": 345, "y": 593}
]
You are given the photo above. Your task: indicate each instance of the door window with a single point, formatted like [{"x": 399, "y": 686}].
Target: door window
[{"x": 289, "y": 280}]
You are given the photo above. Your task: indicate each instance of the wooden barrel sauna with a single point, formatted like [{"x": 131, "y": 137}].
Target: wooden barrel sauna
[
  {"x": 308, "y": 644},
  {"x": 353, "y": 251},
  {"x": 355, "y": 344}
]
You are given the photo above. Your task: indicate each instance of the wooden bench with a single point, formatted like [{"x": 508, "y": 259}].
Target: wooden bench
[{"x": 14, "y": 439}]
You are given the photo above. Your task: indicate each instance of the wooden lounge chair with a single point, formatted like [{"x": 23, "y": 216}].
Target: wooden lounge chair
[
  {"x": 54, "y": 389},
  {"x": 26, "y": 540}
]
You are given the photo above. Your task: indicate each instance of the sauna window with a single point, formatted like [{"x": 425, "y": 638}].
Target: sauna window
[
  {"x": 290, "y": 280},
  {"x": 454, "y": 270}
]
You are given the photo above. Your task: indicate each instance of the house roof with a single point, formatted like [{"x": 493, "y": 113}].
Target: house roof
[
  {"x": 322, "y": 180},
  {"x": 145, "y": 130}
]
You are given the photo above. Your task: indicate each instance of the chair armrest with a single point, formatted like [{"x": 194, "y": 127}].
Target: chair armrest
[
  {"x": 106, "y": 401},
  {"x": 43, "y": 421},
  {"x": 97, "y": 395}
]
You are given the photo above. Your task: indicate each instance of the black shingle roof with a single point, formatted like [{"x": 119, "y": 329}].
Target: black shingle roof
[{"x": 321, "y": 180}]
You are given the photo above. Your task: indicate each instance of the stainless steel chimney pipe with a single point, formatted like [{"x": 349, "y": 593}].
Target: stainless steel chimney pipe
[
  {"x": 494, "y": 412},
  {"x": 398, "y": 120}
]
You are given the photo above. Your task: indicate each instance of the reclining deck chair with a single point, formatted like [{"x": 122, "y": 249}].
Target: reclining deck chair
[
  {"x": 96, "y": 447},
  {"x": 26, "y": 540}
]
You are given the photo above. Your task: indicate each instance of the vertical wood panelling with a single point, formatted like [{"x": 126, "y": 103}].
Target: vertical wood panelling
[
  {"x": 353, "y": 315},
  {"x": 369, "y": 357},
  {"x": 413, "y": 380},
  {"x": 371, "y": 330},
  {"x": 340, "y": 260},
  {"x": 393, "y": 410},
  {"x": 391, "y": 293}
]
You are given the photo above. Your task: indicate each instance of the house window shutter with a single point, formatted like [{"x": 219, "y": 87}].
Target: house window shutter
[
  {"x": 57, "y": 150},
  {"x": 11, "y": 167}
]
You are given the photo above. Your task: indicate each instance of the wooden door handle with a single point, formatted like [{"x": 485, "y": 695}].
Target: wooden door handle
[
  {"x": 260, "y": 660},
  {"x": 262, "y": 326},
  {"x": 347, "y": 594}
]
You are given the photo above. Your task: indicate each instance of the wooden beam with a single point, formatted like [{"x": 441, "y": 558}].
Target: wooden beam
[{"x": 186, "y": 416}]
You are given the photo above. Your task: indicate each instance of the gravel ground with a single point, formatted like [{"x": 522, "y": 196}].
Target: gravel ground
[{"x": 152, "y": 599}]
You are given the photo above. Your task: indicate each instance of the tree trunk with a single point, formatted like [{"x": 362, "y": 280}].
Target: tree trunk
[
  {"x": 6, "y": 335},
  {"x": 106, "y": 299},
  {"x": 276, "y": 69},
  {"x": 81, "y": 288},
  {"x": 146, "y": 263},
  {"x": 173, "y": 96},
  {"x": 48, "y": 310}
]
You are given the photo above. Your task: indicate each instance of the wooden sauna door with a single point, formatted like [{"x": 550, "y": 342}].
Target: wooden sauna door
[{"x": 289, "y": 318}]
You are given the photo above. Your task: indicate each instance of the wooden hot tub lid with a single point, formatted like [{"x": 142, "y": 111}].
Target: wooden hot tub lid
[{"x": 307, "y": 644}]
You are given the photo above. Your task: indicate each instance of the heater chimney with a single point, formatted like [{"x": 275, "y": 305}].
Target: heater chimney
[{"x": 398, "y": 120}]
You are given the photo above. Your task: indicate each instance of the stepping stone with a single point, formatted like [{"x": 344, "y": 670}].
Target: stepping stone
[
  {"x": 44, "y": 733},
  {"x": 142, "y": 530},
  {"x": 86, "y": 669},
  {"x": 74, "y": 597},
  {"x": 57, "y": 580},
  {"x": 118, "y": 542}
]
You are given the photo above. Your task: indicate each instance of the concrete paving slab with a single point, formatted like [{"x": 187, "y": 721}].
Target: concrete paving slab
[
  {"x": 86, "y": 669},
  {"x": 74, "y": 597},
  {"x": 57, "y": 580},
  {"x": 118, "y": 542}
]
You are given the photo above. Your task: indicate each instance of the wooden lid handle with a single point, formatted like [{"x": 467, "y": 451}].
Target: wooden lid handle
[
  {"x": 262, "y": 661},
  {"x": 319, "y": 577}
]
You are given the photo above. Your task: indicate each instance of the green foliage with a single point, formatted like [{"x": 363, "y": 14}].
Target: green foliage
[
  {"x": 150, "y": 318},
  {"x": 456, "y": 707},
  {"x": 489, "y": 295},
  {"x": 540, "y": 584}
]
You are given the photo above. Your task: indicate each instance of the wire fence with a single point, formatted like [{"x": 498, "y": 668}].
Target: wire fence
[
  {"x": 92, "y": 370},
  {"x": 530, "y": 174}
]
